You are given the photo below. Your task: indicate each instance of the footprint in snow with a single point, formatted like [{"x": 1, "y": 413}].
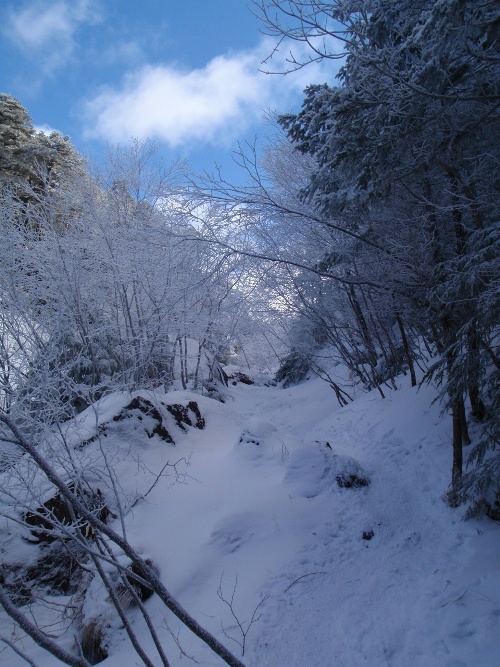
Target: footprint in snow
[{"x": 233, "y": 532}]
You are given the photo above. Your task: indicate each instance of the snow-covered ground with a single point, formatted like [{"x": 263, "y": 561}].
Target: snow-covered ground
[{"x": 261, "y": 516}]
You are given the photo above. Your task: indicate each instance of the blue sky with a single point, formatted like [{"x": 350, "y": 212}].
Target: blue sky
[{"x": 185, "y": 72}]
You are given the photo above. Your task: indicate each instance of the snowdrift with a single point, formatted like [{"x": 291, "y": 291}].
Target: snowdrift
[{"x": 298, "y": 532}]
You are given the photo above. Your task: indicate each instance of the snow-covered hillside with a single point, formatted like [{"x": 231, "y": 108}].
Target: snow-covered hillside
[{"x": 329, "y": 523}]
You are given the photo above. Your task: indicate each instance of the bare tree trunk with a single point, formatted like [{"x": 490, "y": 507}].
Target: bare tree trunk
[
  {"x": 201, "y": 344},
  {"x": 465, "y": 429},
  {"x": 182, "y": 362},
  {"x": 407, "y": 352},
  {"x": 478, "y": 409},
  {"x": 116, "y": 602},
  {"x": 456, "y": 471},
  {"x": 363, "y": 326},
  {"x": 477, "y": 406}
]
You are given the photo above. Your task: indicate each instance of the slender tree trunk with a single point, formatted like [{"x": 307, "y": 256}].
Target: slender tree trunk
[
  {"x": 182, "y": 361},
  {"x": 478, "y": 410},
  {"x": 186, "y": 364},
  {"x": 465, "y": 429},
  {"x": 477, "y": 406},
  {"x": 384, "y": 351},
  {"x": 457, "y": 467},
  {"x": 407, "y": 351},
  {"x": 457, "y": 405},
  {"x": 363, "y": 326},
  {"x": 198, "y": 362}
]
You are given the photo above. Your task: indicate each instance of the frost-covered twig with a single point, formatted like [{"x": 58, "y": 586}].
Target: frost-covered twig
[
  {"x": 177, "y": 641},
  {"x": 37, "y": 635},
  {"x": 239, "y": 624},
  {"x": 158, "y": 477}
]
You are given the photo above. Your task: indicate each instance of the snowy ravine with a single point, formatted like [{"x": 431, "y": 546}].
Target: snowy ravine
[{"x": 384, "y": 574}]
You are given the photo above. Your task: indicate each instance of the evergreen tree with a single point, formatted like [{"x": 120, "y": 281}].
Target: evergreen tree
[
  {"x": 407, "y": 150},
  {"x": 32, "y": 162},
  {"x": 16, "y": 137}
]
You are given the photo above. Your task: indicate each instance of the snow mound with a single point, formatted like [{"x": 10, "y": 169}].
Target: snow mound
[
  {"x": 259, "y": 429},
  {"x": 142, "y": 413},
  {"x": 261, "y": 443},
  {"x": 349, "y": 554},
  {"x": 313, "y": 471},
  {"x": 248, "y": 376}
]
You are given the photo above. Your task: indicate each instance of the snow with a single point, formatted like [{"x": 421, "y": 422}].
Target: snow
[{"x": 258, "y": 512}]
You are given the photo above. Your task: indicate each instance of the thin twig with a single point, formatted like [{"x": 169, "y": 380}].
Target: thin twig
[
  {"x": 176, "y": 639},
  {"x": 240, "y": 624},
  {"x": 310, "y": 574}
]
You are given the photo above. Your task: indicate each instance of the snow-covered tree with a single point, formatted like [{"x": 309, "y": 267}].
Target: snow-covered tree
[
  {"x": 407, "y": 147},
  {"x": 16, "y": 134},
  {"x": 28, "y": 157},
  {"x": 107, "y": 285}
]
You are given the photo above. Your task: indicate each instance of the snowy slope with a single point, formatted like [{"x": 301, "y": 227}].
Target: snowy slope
[{"x": 260, "y": 514}]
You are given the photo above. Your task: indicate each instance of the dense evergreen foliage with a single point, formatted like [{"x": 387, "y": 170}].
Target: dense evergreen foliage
[{"x": 406, "y": 147}]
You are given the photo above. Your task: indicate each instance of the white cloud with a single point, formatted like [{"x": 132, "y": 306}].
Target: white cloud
[
  {"x": 213, "y": 104},
  {"x": 129, "y": 53},
  {"x": 46, "y": 129},
  {"x": 47, "y": 30}
]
